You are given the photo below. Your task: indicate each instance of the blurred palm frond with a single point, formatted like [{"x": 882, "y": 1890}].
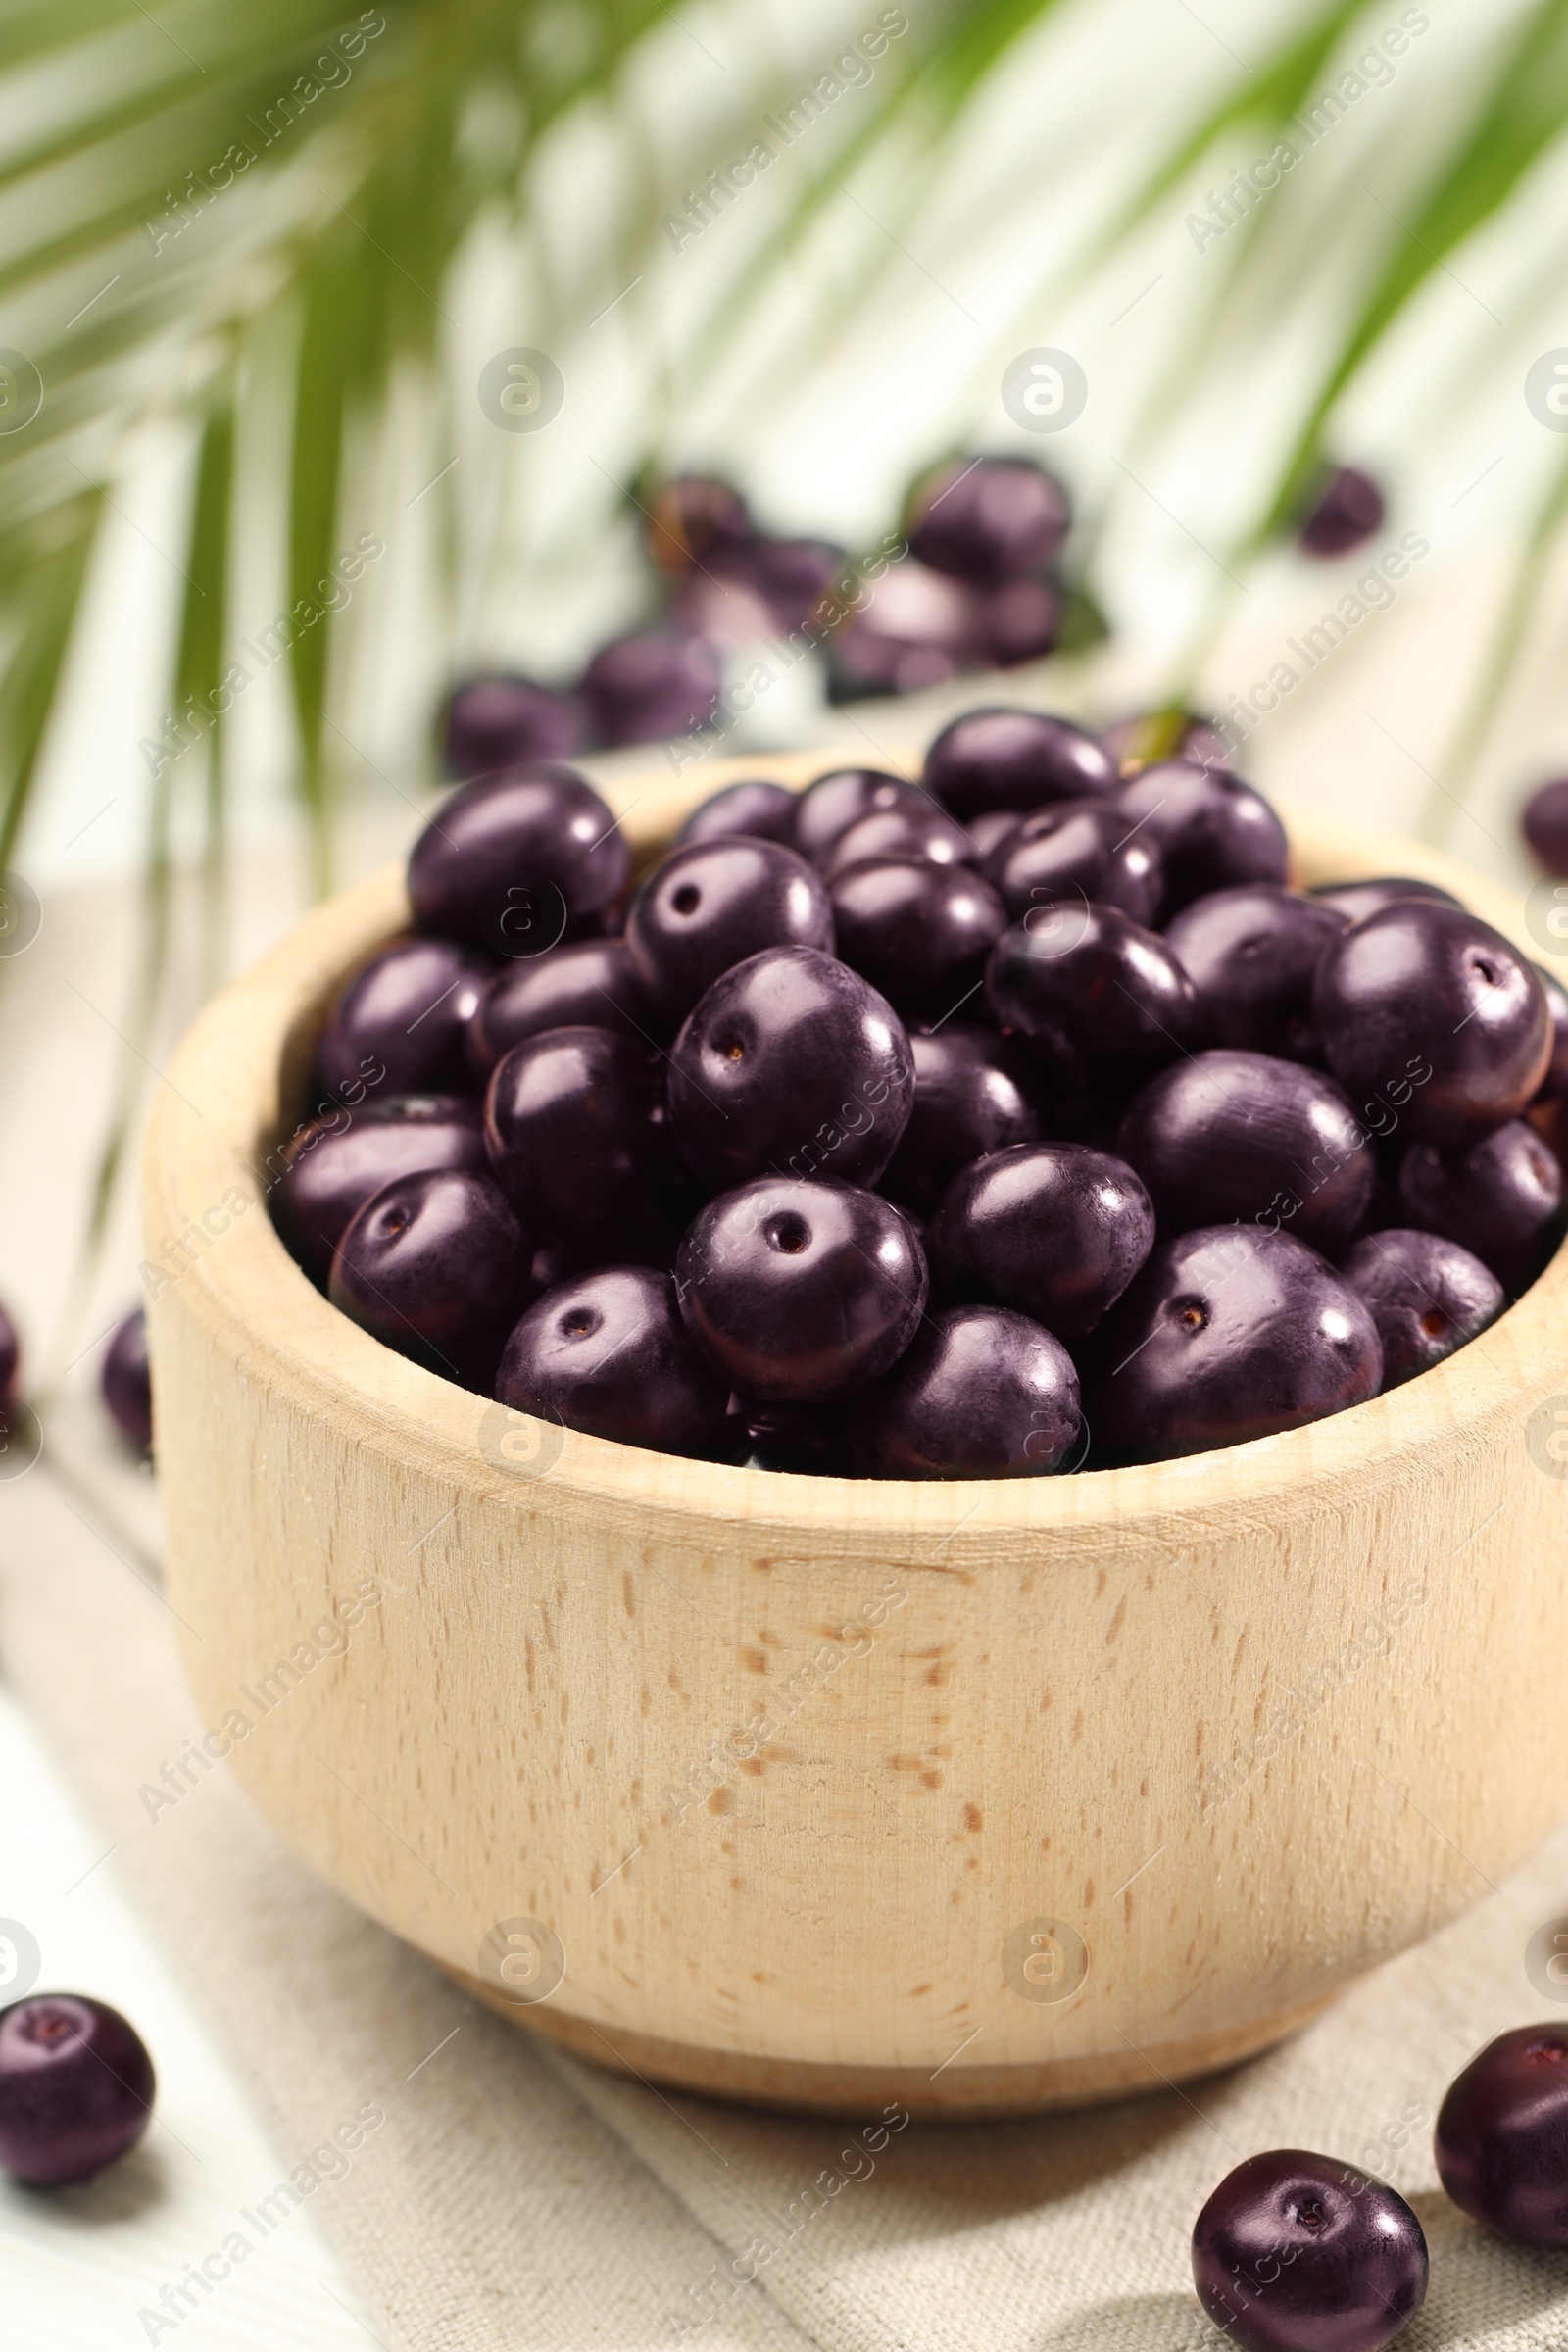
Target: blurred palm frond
[{"x": 235, "y": 194}]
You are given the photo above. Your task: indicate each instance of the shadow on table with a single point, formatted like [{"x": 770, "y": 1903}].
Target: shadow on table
[{"x": 124, "y": 2191}]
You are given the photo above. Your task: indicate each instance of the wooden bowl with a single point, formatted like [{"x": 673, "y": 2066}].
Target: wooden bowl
[{"x": 984, "y": 1798}]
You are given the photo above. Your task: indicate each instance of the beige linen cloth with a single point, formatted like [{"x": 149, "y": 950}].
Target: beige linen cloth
[{"x": 515, "y": 2199}]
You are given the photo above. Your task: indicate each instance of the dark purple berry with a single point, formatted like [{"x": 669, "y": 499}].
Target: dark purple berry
[
  {"x": 333, "y": 1166},
  {"x": 402, "y": 1023},
  {"x": 982, "y": 1393},
  {"x": 974, "y": 1093},
  {"x": 1224, "y": 1136},
  {"x": 1018, "y": 623},
  {"x": 1212, "y": 830},
  {"x": 1358, "y": 900},
  {"x": 802, "y": 1292},
  {"x": 987, "y": 520},
  {"x": 1055, "y": 1230},
  {"x": 712, "y": 905},
  {"x": 497, "y": 722},
  {"x": 576, "y": 1126},
  {"x": 125, "y": 1381},
  {"x": 914, "y": 629},
  {"x": 586, "y": 983},
  {"x": 1349, "y": 508},
  {"x": 791, "y": 1063},
  {"x": 436, "y": 1266},
  {"x": 1501, "y": 2142},
  {"x": 756, "y": 809},
  {"x": 505, "y": 863},
  {"x": 1006, "y": 759},
  {"x": 810, "y": 1440},
  {"x": 905, "y": 832},
  {"x": 1250, "y": 953},
  {"x": 1300, "y": 2253},
  {"x": 1554, "y": 1086},
  {"x": 1501, "y": 1198},
  {"x": 1229, "y": 1333},
  {"x": 1434, "y": 1010},
  {"x": 1426, "y": 1295},
  {"x": 649, "y": 686},
  {"x": 1098, "y": 998},
  {"x": 691, "y": 519},
  {"x": 920, "y": 933},
  {"x": 787, "y": 578},
  {"x": 11, "y": 1360},
  {"x": 989, "y": 830},
  {"x": 77, "y": 2089},
  {"x": 1543, "y": 822},
  {"x": 1078, "y": 849},
  {"x": 608, "y": 1353},
  {"x": 828, "y": 807}
]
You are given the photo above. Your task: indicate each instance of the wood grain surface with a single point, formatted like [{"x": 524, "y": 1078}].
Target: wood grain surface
[{"x": 972, "y": 1795}]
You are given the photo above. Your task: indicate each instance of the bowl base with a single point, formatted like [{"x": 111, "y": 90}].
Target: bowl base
[{"x": 954, "y": 2092}]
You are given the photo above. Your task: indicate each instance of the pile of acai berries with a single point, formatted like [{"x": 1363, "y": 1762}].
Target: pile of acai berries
[{"x": 1018, "y": 1119}]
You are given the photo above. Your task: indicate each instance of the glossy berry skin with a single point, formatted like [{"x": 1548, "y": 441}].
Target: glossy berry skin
[
  {"x": 986, "y": 520},
  {"x": 1250, "y": 953},
  {"x": 829, "y": 807},
  {"x": 905, "y": 832},
  {"x": 1501, "y": 2139},
  {"x": 576, "y": 1128},
  {"x": 1357, "y": 899},
  {"x": 1212, "y": 830},
  {"x": 988, "y": 831},
  {"x": 792, "y": 1062},
  {"x": 125, "y": 1381},
  {"x": 982, "y": 1393},
  {"x": 917, "y": 628},
  {"x": 1098, "y": 998},
  {"x": 649, "y": 686},
  {"x": 1302, "y": 2253},
  {"x": 77, "y": 2089},
  {"x": 1224, "y": 1136},
  {"x": 608, "y": 1353},
  {"x": 1349, "y": 509},
  {"x": 583, "y": 982},
  {"x": 810, "y": 1440},
  {"x": 11, "y": 1360},
  {"x": 1229, "y": 1333},
  {"x": 1543, "y": 822},
  {"x": 920, "y": 933},
  {"x": 974, "y": 1093},
  {"x": 334, "y": 1166},
  {"x": 435, "y": 1266},
  {"x": 1078, "y": 849},
  {"x": 712, "y": 905},
  {"x": 505, "y": 721},
  {"x": 1008, "y": 758},
  {"x": 801, "y": 1292},
  {"x": 1055, "y": 1230},
  {"x": 504, "y": 860},
  {"x": 402, "y": 1023},
  {"x": 1425, "y": 994},
  {"x": 1427, "y": 1296},
  {"x": 756, "y": 809},
  {"x": 1554, "y": 1085},
  {"x": 1501, "y": 1198}
]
